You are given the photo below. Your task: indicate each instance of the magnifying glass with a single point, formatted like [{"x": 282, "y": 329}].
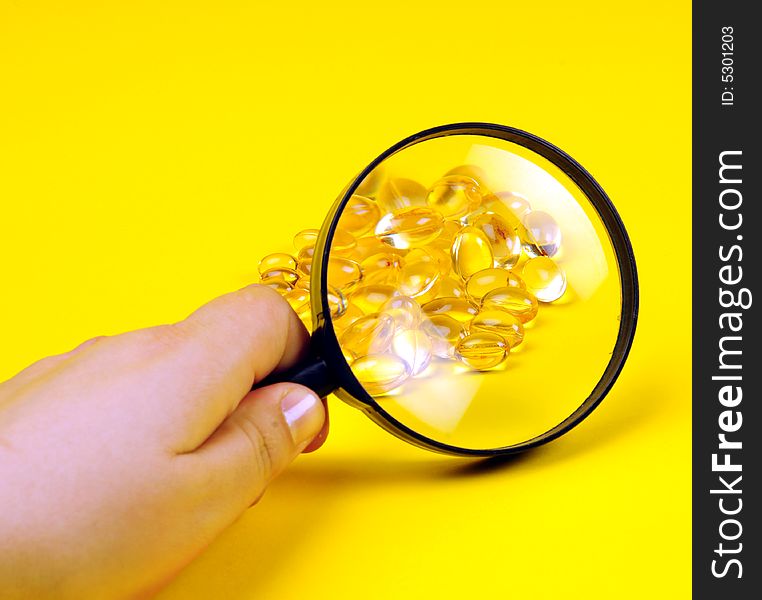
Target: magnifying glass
[{"x": 473, "y": 291}]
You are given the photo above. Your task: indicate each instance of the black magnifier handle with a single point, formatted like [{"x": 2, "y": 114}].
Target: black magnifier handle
[{"x": 312, "y": 373}]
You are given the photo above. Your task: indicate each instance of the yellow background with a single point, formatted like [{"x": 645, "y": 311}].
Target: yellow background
[{"x": 151, "y": 152}]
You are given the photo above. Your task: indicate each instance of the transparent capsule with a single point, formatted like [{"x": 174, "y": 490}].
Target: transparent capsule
[
  {"x": 471, "y": 252},
  {"x": 287, "y": 275},
  {"x": 482, "y": 350},
  {"x": 398, "y": 193},
  {"x": 383, "y": 268},
  {"x": 408, "y": 227},
  {"x": 277, "y": 260},
  {"x": 543, "y": 235},
  {"x": 414, "y": 347},
  {"x": 305, "y": 253},
  {"x": 371, "y": 297},
  {"x": 405, "y": 312},
  {"x": 519, "y": 302},
  {"x": 368, "y": 246},
  {"x": 483, "y": 282},
  {"x": 359, "y": 216},
  {"x": 351, "y": 314},
  {"x": 298, "y": 299},
  {"x": 452, "y": 287},
  {"x": 370, "y": 185},
  {"x": 380, "y": 373},
  {"x": 420, "y": 280},
  {"x": 503, "y": 239},
  {"x": 516, "y": 203},
  {"x": 348, "y": 356},
  {"x": 497, "y": 320},
  {"x": 337, "y": 302},
  {"x": 444, "y": 241},
  {"x": 544, "y": 278},
  {"x": 454, "y": 196},
  {"x": 371, "y": 334},
  {"x": 474, "y": 172},
  {"x": 435, "y": 256},
  {"x": 343, "y": 242},
  {"x": 445, "y": 333},
  {"x": 459, "y": 309},
  {"x": 280, "y": 286},
  {"x": 343, "y": 273},
  {"x": 305, "y": 238}
]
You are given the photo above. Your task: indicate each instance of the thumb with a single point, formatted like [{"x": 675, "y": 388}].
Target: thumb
[{"x": 266, "y": 431}]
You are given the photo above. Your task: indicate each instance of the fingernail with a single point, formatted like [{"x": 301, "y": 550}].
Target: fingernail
[{"x": 304, "y": 415}]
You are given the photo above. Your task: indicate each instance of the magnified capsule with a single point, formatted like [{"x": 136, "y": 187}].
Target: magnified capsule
[
  {"x": 471, "y": 252},
  {"x": 420, "y": 280},
  {"x": 445, "y": 333},
  {"x": 368, "y": 246},
  {"x": 497, "y": 320},
  {"x": 517, "y": 203},
  {"x": 398, "y": 193},
  {"x": 473, "y": 171},
  {"x": 407, "y": 227},
  {"x": 337, "y": 302},
  {"x": 359, "y": 216},
  {"x": 343, "y": 273},
  {"x": 280, "y": 286},
  {"x": 343, "y": 242},
  {"x": 519, "y": 302},
  {"x": 305, "y": 238},
  {"x": 454, "y": 196},
  {"x": 459, "y": 309},
  {"x": 287, "y": 275},
  {"x": 452, "y": 287},
  {"x": 444, "y": 241},
  {"x": 435, "y": 256},
  {"x": 414, "y": 347},
  {"x": 482, "y": 350},
  {"x": 544, "y": 278},
  {"x": 380, "y": 373},
  {"x": 503, "y": 239},
  {"x": 543, "y": 234},
  {"x": 277, "y": 260},
  {"x": 351, "y": 314},
  {"x": 383, "y": 268},
  {"x": 371, "y": 334},
  {"x": 405, "y": 312},
  {"x": 483, "y": 282},
  {"x": 371, "y": 297}
]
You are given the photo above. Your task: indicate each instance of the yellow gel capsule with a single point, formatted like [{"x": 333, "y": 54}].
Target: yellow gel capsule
[
  {"x": 305, "y": 238},
  {"x": 408, "y": 227},
  {"x": 304, "y": 268},
  {"x": 343, "y": 274},
  {"x": 298, "y": 299},
  {"x": 277, "y": 260},
  {"x": 497, "y": 320},
  {"x": 383, "y": 268},
  {"x": 303, "y": 283},
  {"x": 519, "y": 302},
  {"x": 444, "y": 241},
  {"x": 454, "y": 196},
  {"x": 420, "y": 280},
  {"x": 370, "y": 298},
  {"x": 370, "y": 185},
  {"x": 445, "y": 333},
  {"x": 305, "y": 253},
  {"x": 348, "y": 356},
  {"x": 359, "y": 215},
  {"x": 474, "y": 172},
  {"x": 405, "y": 312},
  {"x": 351, "y": 314},
  {"x": 544, "y": 278},
  {"x": 343, "y": 243},
  {"x": 471, "y": 252},
  {"x": 371, "y": 334},
  {"x": 482, "y": 350},
  {"x": 516, "y": 203},
  {"x": 503, "y": 239},
  {"x": 287, "y": 275},
  {"x": 414, "y": 347},
  {"x": 543, "y": 235},
  {"x": 459, "y": 309},
  {"x": 368, "y": 246},
  {"x": 435, "y": 256},
  {"x": 483, "y": 282},
  {"x": 380, "y": 373},
  {"x": 280, "y": 286},
  {"x": 398, "y": 193},
  {"x": 452, "y": 287}
]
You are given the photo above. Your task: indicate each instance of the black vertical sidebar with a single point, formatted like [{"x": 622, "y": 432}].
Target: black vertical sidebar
[{"x": 727, "y": 299}]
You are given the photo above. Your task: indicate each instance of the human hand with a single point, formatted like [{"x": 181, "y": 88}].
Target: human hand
[{"x": 122, "y": 459}]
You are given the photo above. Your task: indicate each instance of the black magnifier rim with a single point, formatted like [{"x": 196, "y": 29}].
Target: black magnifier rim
[{"x": 329, "y": 345}]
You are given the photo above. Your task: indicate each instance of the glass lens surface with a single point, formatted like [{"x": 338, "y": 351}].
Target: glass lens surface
[{"x": 476, "y": 292}]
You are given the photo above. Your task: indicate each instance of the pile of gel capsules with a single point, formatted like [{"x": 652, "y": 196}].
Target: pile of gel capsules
[{"x": 453, "y": 272}]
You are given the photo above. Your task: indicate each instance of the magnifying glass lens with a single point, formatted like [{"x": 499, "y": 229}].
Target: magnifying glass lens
[{"x": 477, "y": 294}]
